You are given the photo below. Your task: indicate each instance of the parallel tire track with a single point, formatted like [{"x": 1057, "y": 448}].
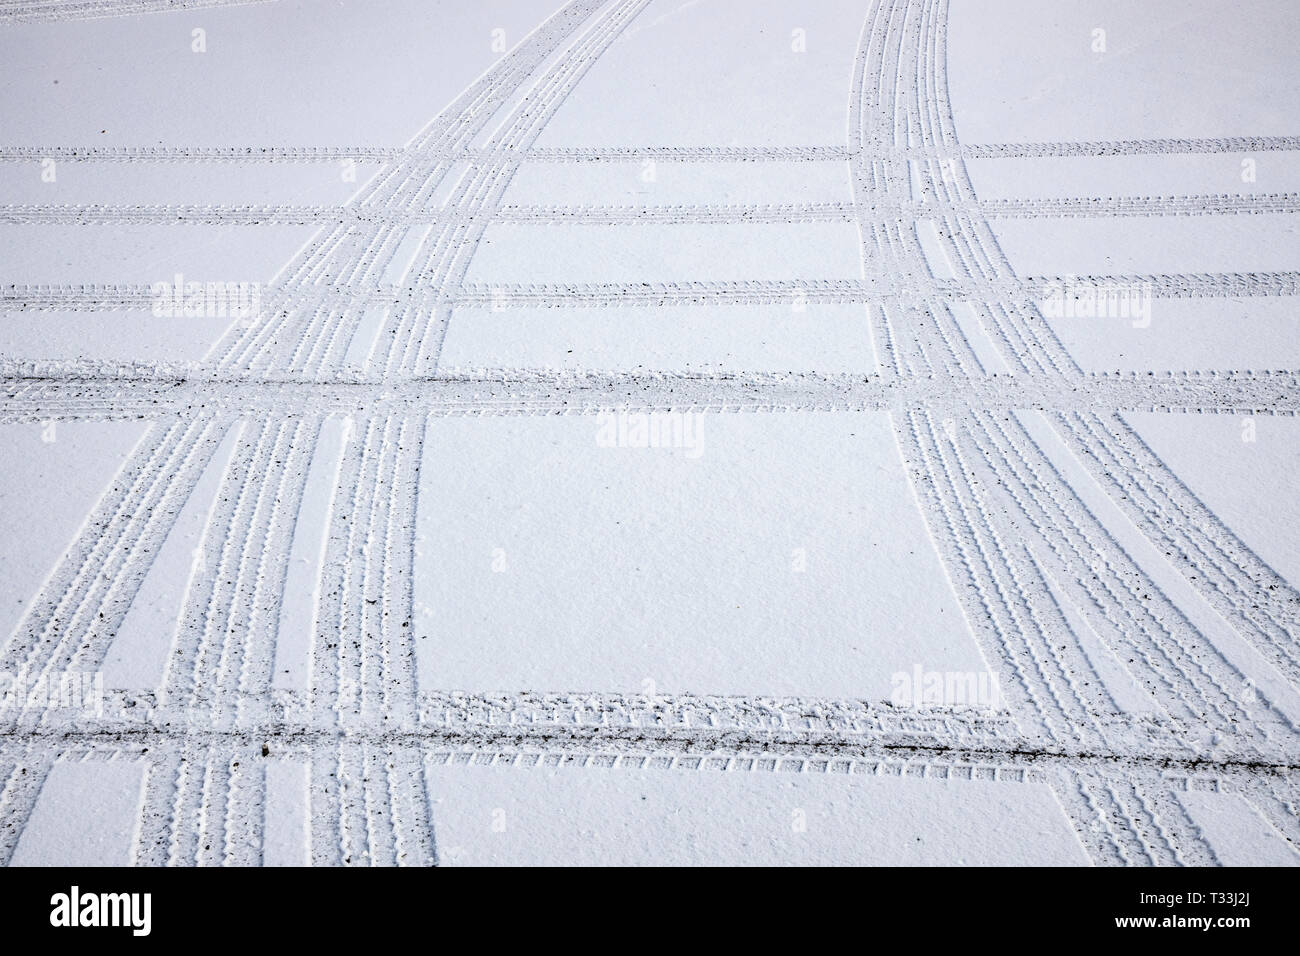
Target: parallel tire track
[
  {"x": 119, "y": 297},
  {"x": 59, "y": 11},
  {"x": 639, "y": 154},
  {"x": 163, "y": 397},
  {"x": 722, "y": 214}
]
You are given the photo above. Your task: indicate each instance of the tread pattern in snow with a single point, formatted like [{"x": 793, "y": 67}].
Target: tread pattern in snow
[{"x": 1016, "y": 539}]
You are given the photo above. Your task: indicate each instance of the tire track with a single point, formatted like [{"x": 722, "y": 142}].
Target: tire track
[
  {"x": 1027, "y": 756},
  {"x": 1012, "y": 529},
  {"x": 344, "y": 689},
  {"x": 395, "y": 187},
  {"x": 947, "y": 346},
  {"x": 1277, "y": 800},
  {"x": 181, "y": 395},
  {"x": 23, "y": 776},
  {"x": 114, "y": 214},
  {"x": 1249, "y": 593},
  {"x": 469, "y": 123},
  {"x": 1182, "y": 834},
  {"x": 227, "y": 808},
  {"x": 1245, "y": 591},
  {"x": 72, "y": 624},
  {"x": 993, "y": 591},
  {"x": 223, "y": 805},
  {"x": 417, "y": 343},
  {"x": 636, "y": 154},
  {"x": 119, "y": 297},
  {"x": 1187, "y": 675},
  {"x": 60, "y": 11}
]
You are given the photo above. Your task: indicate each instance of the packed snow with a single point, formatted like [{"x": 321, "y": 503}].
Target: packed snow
[{"x": 619, "y": 432}]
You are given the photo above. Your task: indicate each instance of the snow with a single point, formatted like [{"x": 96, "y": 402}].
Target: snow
[
  {"x": 914, "y": 571},
  {"x": 504, "y": 817},
  {"x": 49, "y": 488},
  {"x": 670, "y": 183},
  {"x": 666, "y": 253},
  {"x": 85, "y": 816},
  {"x": 713, "y": 569},
  {"x": 1172, "y": 68},
  {"x": 768, "y": 338},
  {"x": 1234, "y": 466}
]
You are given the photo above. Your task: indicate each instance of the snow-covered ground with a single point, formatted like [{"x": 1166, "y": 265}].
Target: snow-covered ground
[{"x": 852, "y": 431}]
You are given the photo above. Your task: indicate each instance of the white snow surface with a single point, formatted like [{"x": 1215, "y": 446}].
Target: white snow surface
[{"x": 664, "y": 432}]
